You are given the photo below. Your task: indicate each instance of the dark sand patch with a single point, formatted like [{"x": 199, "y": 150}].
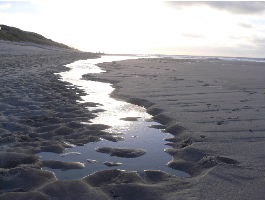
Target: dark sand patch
[
  {"x": 24, "y": 196},
  {"x": 112, "y": 164},
  {"x": 91, "y": 161},
  {"x": 158, "y": 126},
  {"x": 56, "y": 164},
  {"x": 113, "y": 176},
  {"x": 12, "y": 159},
  {"x": 73, "y": 189},
  {"x": 175, "y": 129},
  {"x": 119, "y": 152},
  {"x": 113, "y": 138},
  {"x": 131, "y": 119},
  {"x": 22, "y": 179},
  {"x": 119, "y": 184},
  {"x": 194, "y": 161},
  {"x": 157, "y": 175}
]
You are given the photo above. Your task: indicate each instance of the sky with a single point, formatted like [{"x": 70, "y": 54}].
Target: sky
[{"x": 145, "y": 26}]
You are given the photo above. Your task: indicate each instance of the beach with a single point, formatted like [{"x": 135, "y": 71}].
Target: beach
[
  {"x": 39, "y": 113},
  {"x": 214, "y": 110}
]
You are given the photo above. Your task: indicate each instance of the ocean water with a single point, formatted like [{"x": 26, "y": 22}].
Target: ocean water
[{"x": 211, "y": 58}]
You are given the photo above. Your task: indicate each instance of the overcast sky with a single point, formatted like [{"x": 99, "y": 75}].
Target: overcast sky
[{"x": 123, "y": 26}]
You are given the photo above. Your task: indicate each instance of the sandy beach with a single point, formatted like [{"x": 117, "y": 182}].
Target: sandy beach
[
  {"x": 132, "y": 100},
  {"x": 214, "y": 113},
  {"x": 215, "y": 117}
]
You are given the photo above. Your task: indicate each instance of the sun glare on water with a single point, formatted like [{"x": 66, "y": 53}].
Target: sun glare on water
[{"x": 99, "y": 92}]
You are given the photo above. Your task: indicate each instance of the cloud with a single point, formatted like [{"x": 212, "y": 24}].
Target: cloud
[
  {"x": 235, "y": 37},
  {"x": 192, "y": 35},
  {"x": 245, "y": 25},
  {"x": 236, "y": 7},
  {"x": 4, "y": 6},
  {"x": 259, "y": 41}
]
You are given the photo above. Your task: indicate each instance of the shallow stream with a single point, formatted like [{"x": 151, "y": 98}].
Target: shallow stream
[{"x": 136, "y": 134}]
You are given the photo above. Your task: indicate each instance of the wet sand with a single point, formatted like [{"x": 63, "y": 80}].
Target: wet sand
[
  {"x": 214, "y": 110},
  {"x": 40, "y": 113},
  {"x": 216, "y": 121}
]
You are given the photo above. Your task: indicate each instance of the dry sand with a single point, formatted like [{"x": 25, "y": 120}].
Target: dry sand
[{"x": 215, "y": 115}]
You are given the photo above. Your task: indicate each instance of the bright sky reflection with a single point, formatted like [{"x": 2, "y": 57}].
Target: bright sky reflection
[{"x": 99, "y": 92}]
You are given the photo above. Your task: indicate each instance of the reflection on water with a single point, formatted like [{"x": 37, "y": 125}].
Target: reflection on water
[
  {"x": 137, "y": 134},
  {"x": 99, "y": 92}
]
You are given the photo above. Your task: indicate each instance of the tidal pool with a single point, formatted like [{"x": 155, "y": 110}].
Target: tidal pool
[{"x": 137, "y": 134}]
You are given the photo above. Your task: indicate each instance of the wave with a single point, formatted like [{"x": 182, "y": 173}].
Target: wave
[{"x": 210, "y": 58}]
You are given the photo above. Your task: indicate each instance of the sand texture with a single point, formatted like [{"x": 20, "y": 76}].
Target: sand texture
[
  {"x": 40, "y": 113},
  {"x": 214, "y": 110}
]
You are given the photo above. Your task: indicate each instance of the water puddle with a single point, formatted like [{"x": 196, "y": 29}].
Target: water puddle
[{"x": 137, "y": 134}]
